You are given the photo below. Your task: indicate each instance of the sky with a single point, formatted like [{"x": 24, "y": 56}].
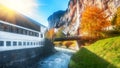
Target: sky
[
  {"x": 48, "y": 7},
  {"x": 38, "y": 10}
]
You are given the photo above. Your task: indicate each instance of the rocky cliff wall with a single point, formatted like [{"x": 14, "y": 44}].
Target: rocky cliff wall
[{"x": 69, "y": 18}]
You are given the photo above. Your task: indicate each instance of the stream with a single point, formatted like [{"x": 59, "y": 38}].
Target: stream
[{"x": 60, "y": 59}]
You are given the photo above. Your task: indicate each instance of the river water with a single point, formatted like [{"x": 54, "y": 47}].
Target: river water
[{"x": 60, "y": 59}]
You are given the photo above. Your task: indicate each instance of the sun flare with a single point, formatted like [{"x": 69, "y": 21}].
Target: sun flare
[{"x": 23, "y": 6}]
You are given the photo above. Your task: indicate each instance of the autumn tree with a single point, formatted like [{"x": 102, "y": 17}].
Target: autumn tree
[
  {"x": 50, "y": 33},
  {"x": 116, "y": 20},
  {"x": 93, "y": 21}
]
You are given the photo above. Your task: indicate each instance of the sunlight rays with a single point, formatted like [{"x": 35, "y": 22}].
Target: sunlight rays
[
  {"x": 7, "y": 14},
  {"x": 23, "y": 6},
  {"x": 8, "y": 8}
]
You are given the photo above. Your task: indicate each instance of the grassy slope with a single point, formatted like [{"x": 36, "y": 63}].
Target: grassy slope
[{"x": 102, "y": 54}]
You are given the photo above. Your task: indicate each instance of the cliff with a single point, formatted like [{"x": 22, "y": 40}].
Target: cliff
[
  {"x": 55, "y": 19},
  {"x": 70, "y": 18}
]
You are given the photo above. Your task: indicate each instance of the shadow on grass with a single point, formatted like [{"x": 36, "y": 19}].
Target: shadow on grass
[{"x": 86, "y": 59}]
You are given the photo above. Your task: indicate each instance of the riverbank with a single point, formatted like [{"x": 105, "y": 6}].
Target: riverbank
[{"x": 102, "y": 54}]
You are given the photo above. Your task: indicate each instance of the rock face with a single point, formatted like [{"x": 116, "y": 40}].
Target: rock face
[
  {"x": 72, "y": 16},
  {"x": 55, "y": 19}
]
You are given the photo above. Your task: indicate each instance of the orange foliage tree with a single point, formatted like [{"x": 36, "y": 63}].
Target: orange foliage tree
[
  {"x": 93, "y": 21},
  {"x": 50, "y": 34},
  {"x": 116, "y": 20}
]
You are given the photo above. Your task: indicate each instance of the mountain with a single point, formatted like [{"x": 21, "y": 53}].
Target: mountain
[
  {"x": 70, "y": 18},
  {"x": 55, "y": 19}
]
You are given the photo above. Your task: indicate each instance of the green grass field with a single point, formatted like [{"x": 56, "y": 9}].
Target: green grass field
[{"x": 102, "y": 54}]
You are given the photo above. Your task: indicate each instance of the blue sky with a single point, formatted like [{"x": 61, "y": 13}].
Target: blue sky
[{"x": 48, "y": 7}]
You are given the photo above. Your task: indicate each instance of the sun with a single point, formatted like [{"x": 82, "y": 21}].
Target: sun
[{"x": 23, "y": 6}]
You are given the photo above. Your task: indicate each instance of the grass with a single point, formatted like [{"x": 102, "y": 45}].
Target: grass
[{"x": 102, "y": 54}]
